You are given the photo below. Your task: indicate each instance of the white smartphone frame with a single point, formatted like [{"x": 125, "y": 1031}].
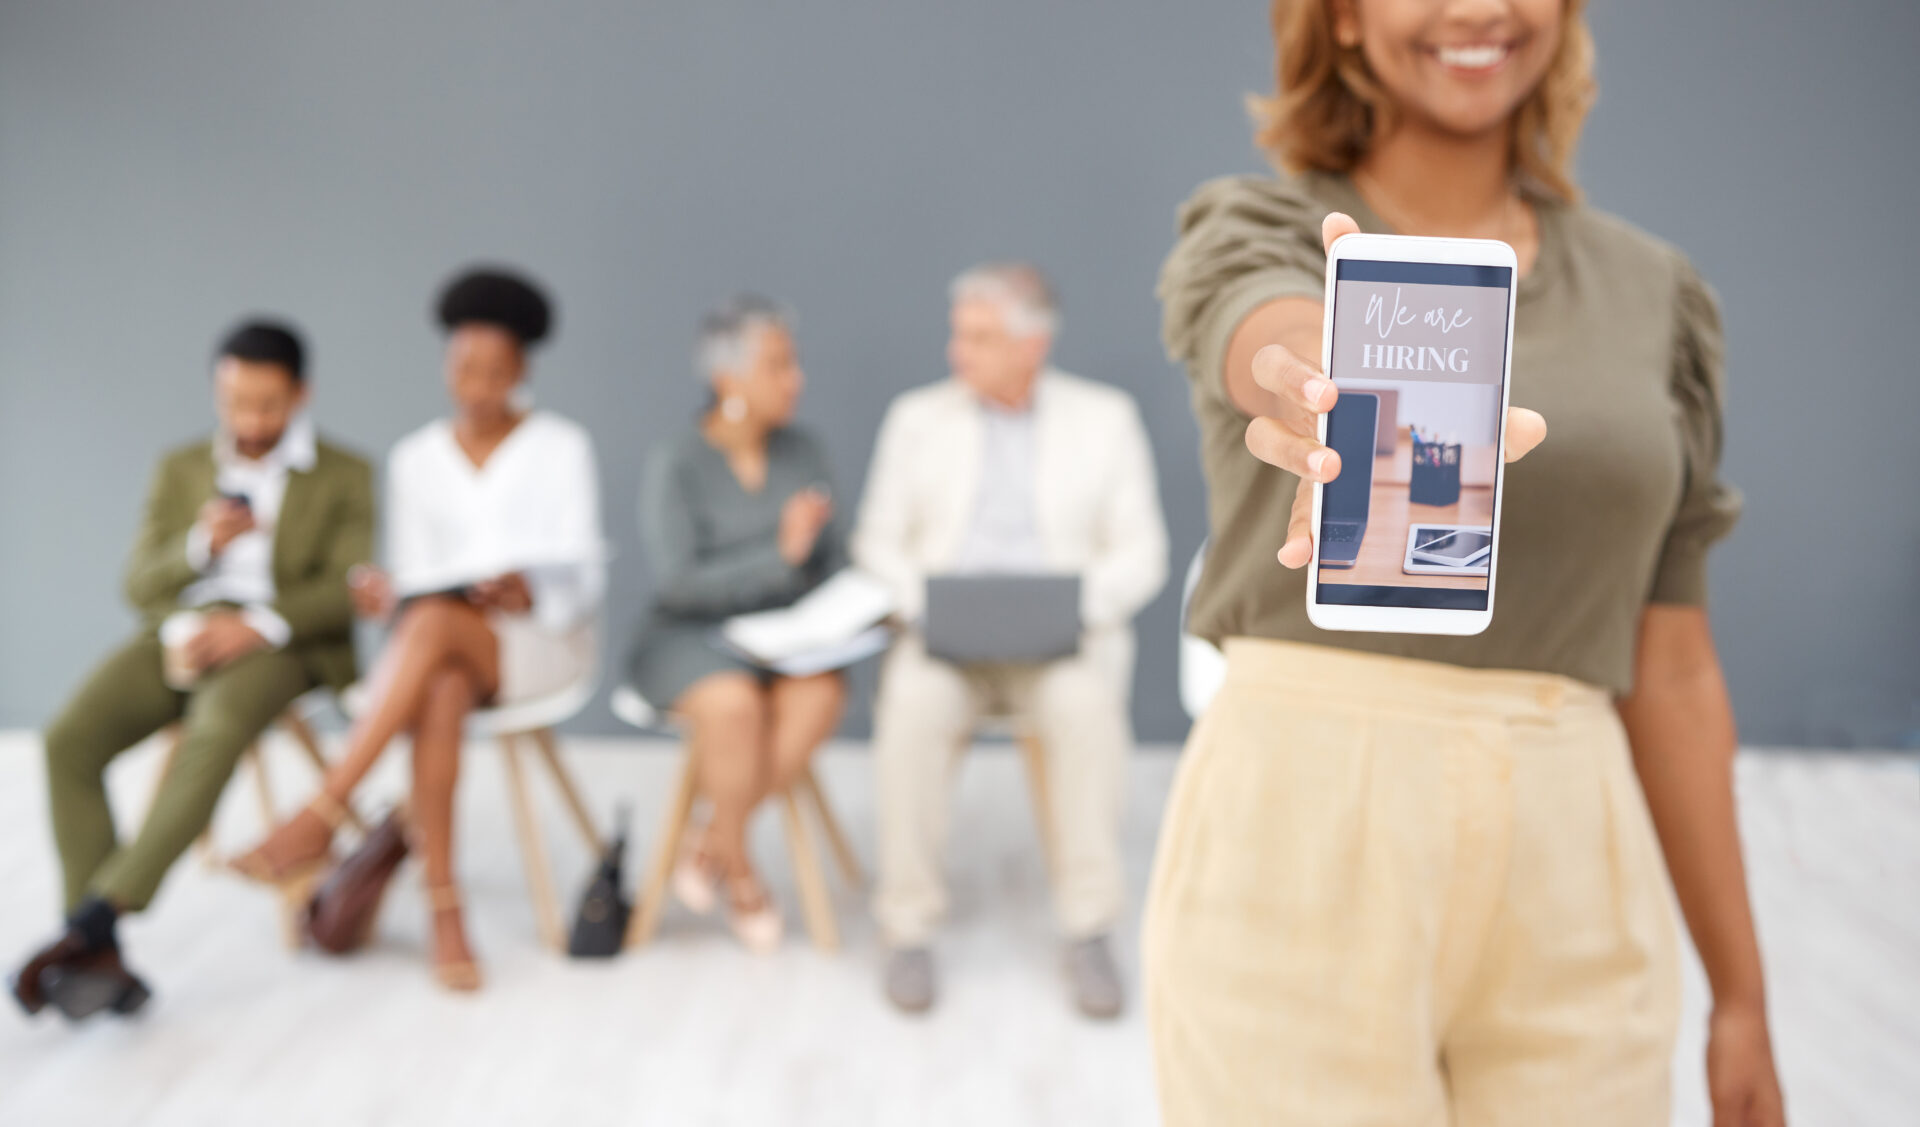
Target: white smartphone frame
[
  {"x": 1413, "y": 566},
  {"x": 1410, "y": 248}
]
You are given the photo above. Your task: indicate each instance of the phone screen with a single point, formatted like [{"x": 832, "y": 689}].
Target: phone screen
[{"x": 1428, "y": 342}]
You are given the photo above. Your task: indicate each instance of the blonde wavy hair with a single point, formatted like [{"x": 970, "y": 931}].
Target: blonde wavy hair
[{"x": 1328, "y": 107}]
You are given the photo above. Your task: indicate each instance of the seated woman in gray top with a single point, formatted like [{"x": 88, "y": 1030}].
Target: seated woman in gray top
[{"x": 736, "y": 516}]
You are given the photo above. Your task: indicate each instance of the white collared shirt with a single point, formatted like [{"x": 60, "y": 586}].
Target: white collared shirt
[
  {"x": 1003, "y": 533},
  {"x": 243, "y": 573},
  {"x": 533, "y": 508}
]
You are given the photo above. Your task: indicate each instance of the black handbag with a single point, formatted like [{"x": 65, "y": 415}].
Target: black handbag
[{"x": 600, "y": 926}]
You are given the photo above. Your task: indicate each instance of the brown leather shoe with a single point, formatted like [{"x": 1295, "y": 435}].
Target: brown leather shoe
[
  {"x": 95, "y": 981},
  {"x": 25, "y": 984},
  {"x": 78, "y": 980}
]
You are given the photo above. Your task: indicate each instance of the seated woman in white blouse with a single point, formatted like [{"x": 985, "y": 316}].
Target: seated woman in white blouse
[{"x": 494, "y": 539}]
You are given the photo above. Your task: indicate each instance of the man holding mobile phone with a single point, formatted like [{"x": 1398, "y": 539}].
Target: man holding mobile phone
[{"x": 239, "y": 574}]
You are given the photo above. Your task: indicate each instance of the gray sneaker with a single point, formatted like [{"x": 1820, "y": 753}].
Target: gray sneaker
[
  {"x": 1094, "y": 980},
  {"x": 909, "y": 980}
]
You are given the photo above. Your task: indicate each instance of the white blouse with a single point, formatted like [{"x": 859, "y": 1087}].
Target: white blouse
[{"x": 533, "y": 508}]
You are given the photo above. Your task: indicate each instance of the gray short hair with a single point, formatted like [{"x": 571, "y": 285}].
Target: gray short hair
[
  {"x": 1019, "y": 288},
  {"x": 727, "y": 331}
]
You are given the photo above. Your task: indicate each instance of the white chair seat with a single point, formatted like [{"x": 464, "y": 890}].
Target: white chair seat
[
  {"x": 532, "y": 715},
  {"x": 310, "y": 704},
  {"x": 1203, "y": 668},
  {"x": 512, "y": 719},
  {"x": 630, "y": 707}
]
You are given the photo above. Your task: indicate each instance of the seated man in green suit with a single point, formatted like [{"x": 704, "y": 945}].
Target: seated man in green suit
[{"x": 241, "y": 566}]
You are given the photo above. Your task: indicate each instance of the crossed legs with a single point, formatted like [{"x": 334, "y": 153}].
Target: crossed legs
[{"x": 441, "y": 662}]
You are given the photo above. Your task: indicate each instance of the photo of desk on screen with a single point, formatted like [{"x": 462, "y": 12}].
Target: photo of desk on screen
[{"x": 1385, "y": 489}]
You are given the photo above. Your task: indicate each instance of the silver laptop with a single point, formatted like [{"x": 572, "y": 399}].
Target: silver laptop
[{"x": 1002, "y": 618}]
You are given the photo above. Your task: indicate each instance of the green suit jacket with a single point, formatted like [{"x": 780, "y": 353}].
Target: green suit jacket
[{"x": 325, "y": 527}]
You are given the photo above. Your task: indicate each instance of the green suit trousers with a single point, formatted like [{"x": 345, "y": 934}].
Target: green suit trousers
[{"x": 124, "y": 701}]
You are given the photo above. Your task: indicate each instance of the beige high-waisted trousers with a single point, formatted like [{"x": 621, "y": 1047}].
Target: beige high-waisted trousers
[{"x": 1405, "y": 893}]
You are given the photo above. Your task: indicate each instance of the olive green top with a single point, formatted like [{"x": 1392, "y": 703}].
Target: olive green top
[{"x": 1616, "y": 341}]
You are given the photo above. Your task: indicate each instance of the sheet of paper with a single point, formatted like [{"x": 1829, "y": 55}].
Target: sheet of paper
[
  {"x": 856, "y": 649},
  {"x": 832, "y": 614}
]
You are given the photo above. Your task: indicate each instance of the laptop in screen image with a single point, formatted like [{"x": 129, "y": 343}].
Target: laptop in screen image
[{"x": 1352, "y": 428}]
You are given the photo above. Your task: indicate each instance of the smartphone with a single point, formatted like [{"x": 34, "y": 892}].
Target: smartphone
[
  {"x": 240, "y": 499},
  {"x": 1430, "y": 320}
]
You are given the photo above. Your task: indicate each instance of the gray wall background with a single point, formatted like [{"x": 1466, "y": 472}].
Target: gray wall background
[{"x": 167, "y": 166}]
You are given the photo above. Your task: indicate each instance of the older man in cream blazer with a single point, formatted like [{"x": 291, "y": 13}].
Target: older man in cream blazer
[{"x": 1012, "y": 466}]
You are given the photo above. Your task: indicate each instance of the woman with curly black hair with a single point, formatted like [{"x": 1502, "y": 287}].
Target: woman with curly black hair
[{"x": 497, "y": 570}]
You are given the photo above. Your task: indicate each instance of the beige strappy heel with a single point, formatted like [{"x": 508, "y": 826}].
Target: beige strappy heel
[
  {"x": 696, "y": 878},
  {"x": 462, "y": 975},
  {"x": 758, "y": 928},
  {"x": 260, "y": 863}
]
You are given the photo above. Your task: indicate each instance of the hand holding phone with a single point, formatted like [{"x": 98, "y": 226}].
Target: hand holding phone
[
  {"x": 1430, "y": 320},
  {"x": 1289, "y": 437},
  {"x": 225, "y": 517}
]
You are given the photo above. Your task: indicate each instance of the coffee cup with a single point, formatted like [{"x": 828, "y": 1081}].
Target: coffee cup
[{"x": 176, "y": 633}]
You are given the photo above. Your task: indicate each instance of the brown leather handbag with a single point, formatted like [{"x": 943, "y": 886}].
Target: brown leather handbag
[{"x": 341, "y": 915}]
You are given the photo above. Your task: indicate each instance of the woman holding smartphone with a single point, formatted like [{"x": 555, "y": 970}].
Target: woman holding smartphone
[
  {"x": 1416, "y": 879},
  {"x": 498, "y": 568},
  {"x": 736, "y": 515}
]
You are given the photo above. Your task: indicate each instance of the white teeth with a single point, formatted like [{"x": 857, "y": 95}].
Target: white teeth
[{"x": 1473, "y": 58}]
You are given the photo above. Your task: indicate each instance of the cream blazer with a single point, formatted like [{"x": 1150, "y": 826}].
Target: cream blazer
[{"x": 1096, "y": 500}]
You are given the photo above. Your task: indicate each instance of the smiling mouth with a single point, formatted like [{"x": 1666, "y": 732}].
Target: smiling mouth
[{"x": 1480, "y": 57}]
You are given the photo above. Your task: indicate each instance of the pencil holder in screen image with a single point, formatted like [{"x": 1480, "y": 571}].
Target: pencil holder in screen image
[{"x": 1435, "y": 474}]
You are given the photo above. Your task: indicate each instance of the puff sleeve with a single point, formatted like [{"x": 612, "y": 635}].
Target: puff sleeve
[
  {"x": 1709, "y": 506},
  {"x": 1243, "y": 241}
]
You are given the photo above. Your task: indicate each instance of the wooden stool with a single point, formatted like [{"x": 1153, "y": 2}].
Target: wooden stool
[
  {"x": 514, "y": 727},
  {"x": 816, "y": 900},
  {"x": 533, "y": 849},
  {"x": 1033, "y": 756},
  {"x": 294, "y": 722}
]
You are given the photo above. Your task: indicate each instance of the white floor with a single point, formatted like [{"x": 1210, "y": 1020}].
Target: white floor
[{"x": 692, "y": 1031}]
